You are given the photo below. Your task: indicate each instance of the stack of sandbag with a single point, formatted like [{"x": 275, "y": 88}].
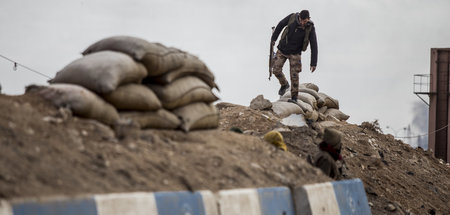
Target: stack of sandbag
[
  {"x": 314, "y": 105},
  {"x": 153, "y": 85}
]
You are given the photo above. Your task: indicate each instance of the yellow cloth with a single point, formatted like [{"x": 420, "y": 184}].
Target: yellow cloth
[{"x": 276, "y": 139}]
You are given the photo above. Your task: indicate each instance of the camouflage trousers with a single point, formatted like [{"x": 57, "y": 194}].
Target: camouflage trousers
[{"x": 295, "y": 67}]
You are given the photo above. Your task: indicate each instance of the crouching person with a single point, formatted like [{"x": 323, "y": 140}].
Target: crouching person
[{"x": 330, "y": 153}]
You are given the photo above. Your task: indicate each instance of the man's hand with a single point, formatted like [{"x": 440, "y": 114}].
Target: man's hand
[{"x": 313, "y": 68}]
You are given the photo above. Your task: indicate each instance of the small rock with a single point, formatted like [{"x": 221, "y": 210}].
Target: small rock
[
  {"x": 259, "y": 103},
  {"x": 390, "y": 207},
  {"x": 81, "y": 148},
  {"x": 30, "y": 131},
  {"x": 255, "y": 165},
  {"x": 132, "y": 146},
  {"x": 84, "y": 133},
  {"x": 371, "y": 168},
  {"x": 52, "y": 119},
  {"x": 11, "y": 125},
  {"x": 166, "y": 182},
  {"x": 65, "y": 113},
  {"x": 250, "y": 132},
  {"x": 370, "y": 204}
]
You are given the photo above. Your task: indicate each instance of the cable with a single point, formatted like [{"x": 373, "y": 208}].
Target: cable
[
  {"x": 423, "y": 134},
  {"x": 26, "y": 67}
]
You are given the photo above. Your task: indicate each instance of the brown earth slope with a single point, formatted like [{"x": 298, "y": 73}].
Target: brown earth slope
[
  {"x": 398, "y": 179},
  {"x": 45, "y": 151}
]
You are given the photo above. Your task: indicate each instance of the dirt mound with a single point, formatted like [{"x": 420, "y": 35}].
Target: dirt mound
[
  {"x": 398, "y": 179},
  {"x": 46, "y": 151}
]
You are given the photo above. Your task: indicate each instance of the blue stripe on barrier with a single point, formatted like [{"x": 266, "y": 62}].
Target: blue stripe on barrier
[
  {"x": 276, "y": 201},
  {"x": 179, "y": 203},
  {"x": 351, "y": 197},
  {"x": 66, "y": 207}
]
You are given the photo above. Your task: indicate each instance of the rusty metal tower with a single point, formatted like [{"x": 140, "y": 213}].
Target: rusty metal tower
[{"x": 437, "y": 86}]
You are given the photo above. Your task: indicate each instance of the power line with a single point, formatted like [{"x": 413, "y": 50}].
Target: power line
[
  {"x": 26, "y": 67},
  {"x": 421, "y": 135}
]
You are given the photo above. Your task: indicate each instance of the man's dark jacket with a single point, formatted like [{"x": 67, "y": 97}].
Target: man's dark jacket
[{"x": 295, "y": 36}]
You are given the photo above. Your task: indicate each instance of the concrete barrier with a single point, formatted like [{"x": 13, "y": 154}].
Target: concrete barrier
[
  {"x": 52, "y": 206},
  {"x": 338, "y": 197},
  {"x": 158, "y": 203},
  {"x": 186, "y": 203},
  {"x": 261, "y": 201}
]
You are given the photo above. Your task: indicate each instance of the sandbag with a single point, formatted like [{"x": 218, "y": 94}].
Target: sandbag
[
  {"x": 160, "y": 119},
  {"x": 307, "y": 98},
  {"x": 329, "y": 101},
  {"x": 304, "y": 106},
  {"x": 320, "y": 101},
  {"x": 312, "y": 115},
  {"x": 309, "y": 86},
  {"x": 133, "y": 97},
  {"x": 198, "y": 115},
  {"x": 323, "y": 109},
  {"x": 101, "y": 72},
  {"x": 81, "y": 102},
  {"x": 284, "y": 109},
  {"x": 157, "y": 58},
  {"x": 337, "y": 114},
  {"x": 309, "y": 91},
  {"x": 192, "y": 66},
  {"x": 183, "y": 91}
]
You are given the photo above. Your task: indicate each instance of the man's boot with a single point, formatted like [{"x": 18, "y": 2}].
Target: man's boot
[
  {"x": 283, "y": 89},
  {"x": 293, "y": 99}
]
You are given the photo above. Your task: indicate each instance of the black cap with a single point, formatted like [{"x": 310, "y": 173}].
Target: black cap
[{"x": 304, "y": 14}]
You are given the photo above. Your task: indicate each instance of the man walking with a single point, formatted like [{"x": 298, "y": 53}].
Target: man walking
[{"x": 299, "y": 32}]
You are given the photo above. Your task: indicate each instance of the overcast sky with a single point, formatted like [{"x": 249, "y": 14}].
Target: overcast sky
[{"x": 368, "y": 50}]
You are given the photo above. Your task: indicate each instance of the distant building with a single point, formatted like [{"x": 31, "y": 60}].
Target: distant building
[{"x": 438, "y": 126}]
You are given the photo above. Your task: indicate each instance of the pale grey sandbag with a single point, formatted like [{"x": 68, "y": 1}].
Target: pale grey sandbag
[
  {"x": 133, "y": 97},
  {"x": 101, "y": 72},
  {"x": 329, "y": 101},
  {"x": 309, "y": 86},
  {"x": 284, "y": 109},
  {"x": 312, "y": 115},
  {"x": 157, "y": 58},
  {"x": 192, "y": 66},
  {"x": 308, "y": 98},
  {"x": 183, "y": 91},
  {"x": 309, "y": 91},
  {"x": 81, "y": 102},
  {"x": 305, "y": 97},
  {"x": 323, "y": 109},
  {"x": 303, "y": 105},
  {"x": 336, "y": 114},
  {"x": 312, "y": 92},
  {"x": 198, "y": 115},
  {"x": 160, "y": 119}
]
